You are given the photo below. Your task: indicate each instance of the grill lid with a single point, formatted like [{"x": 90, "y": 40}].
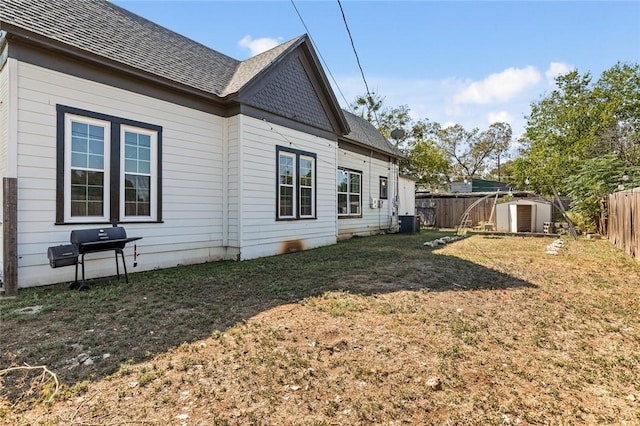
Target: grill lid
[{"x": 95, "y": 235}]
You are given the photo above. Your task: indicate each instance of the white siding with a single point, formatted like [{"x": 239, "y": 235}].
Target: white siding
[
  {"x": 262, "y": 234},
  {"x": 373, "y": 220},
  {"x": 192, "y": 185}
]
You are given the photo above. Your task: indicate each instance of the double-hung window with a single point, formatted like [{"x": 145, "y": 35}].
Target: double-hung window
[
  {"x": 108, "y": 168},
  {"x": 349, "y": 193},
  {"x": 86, "y": 151},
  {"x": 296, "y": 198}
]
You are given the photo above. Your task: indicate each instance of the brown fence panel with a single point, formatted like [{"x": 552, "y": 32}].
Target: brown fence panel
[
  {"x": 448, "y": 212},
  {"x": 624, "y": 221}
]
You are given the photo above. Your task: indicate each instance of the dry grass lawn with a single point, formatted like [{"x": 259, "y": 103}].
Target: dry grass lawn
[{"x": 382, "y": 330}]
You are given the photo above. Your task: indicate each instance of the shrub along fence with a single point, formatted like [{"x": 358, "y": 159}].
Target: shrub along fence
[{"x": 623, "y": 227}]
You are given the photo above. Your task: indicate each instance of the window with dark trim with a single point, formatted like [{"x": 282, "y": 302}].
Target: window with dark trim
[
  {"x": 349, "y": 193},
  {"x": 296, "y": 184},
  {"x": 108, "y": 168},
  {"x": 384, "y": 187}
]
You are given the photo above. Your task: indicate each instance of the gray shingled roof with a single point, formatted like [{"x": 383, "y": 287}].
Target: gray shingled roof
[
  {"x": 107, "y": 30},
  {"x": 365, "y": 133}
]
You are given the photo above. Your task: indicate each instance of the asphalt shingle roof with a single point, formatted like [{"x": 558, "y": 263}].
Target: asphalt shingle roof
[
  {"x": 101, "y": 28},
  {"x": 364, "y": 132},
  {"x": 107, "y": 30}
]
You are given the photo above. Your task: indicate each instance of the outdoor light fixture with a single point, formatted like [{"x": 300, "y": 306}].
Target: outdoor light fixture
[
  {"x": 625, "y": 176},
  {"x": 526, "y": 180}
]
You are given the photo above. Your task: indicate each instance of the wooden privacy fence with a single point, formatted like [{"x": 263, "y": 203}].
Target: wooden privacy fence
[
  {"x": 623, "y": 228},
  {"x": 447, "y": 212}
]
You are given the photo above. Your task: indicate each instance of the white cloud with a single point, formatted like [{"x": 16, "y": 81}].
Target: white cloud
[
  {"x": 258, "y": 45},
  {"x": 499, "y": 116},
  {"x": 499, "y": 87},
  {"x": 556, "y": 69}
]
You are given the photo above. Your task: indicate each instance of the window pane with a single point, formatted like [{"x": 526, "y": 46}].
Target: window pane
[
  {"x": 354, "y": 204},
  {"x": 96, "y": 162},
  {"x": 79, "y": 129},
  {"x": 144, "y": 141},
  {"x": 137, "y": 195},
  {"x": 78, "y": 177},
  {"x": 354, "y": 183},
  {"x": 79, "y": 160},
  {"x": 144, "y": 154},
  {"x": 286, "y": 201},
  {"x": 87, "y": 193},
  {"x": 342, "y": 204},
  {"x": 130, "y": 151},
  {"x": 95, "y": 208},
  {"x": 144, "y": 167},
  {"x": 306, "y": 172},
  {"x": 96, "y": 132},
  {"x": 286, "y": 169},
  {"x": 342, "y": 181},
  {"x": 306, "y": 202},
  {"x": 131, "y": 138},
  {"x": 96, "y": 147},
  {"x": 130, "y": 166},
  {"x": 79, "y": 145}
]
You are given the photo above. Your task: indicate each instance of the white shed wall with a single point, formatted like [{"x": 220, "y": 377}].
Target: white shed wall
[
  {"x": 261, "y": 233},
  {"x": 504, "y": 215},
  {"x": 373, "y": 220},
  {"x": 192, "y": 167}
]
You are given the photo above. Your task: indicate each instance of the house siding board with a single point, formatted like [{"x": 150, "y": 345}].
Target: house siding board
[
  {"x": 262, "y": 234},
  {"x": 192, "y": 170},
  {"x": 233, "y": 181},
  {"x": 373, "y": 220}
]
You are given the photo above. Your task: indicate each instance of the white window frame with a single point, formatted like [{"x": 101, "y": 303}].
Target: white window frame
[
  {"x": 349, "y": 193},
  {"x": 153, "y": 174},
  {"x": 312, "y": 186},
  {"x": 293, "y": 185},
  {"x": 68, "y": 119}
]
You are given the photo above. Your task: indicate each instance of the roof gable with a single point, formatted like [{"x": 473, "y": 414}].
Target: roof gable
[{"x": 288, "y": 91}]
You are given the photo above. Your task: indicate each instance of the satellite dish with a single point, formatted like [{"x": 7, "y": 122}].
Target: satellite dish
[{"x": 397, "y": 134}]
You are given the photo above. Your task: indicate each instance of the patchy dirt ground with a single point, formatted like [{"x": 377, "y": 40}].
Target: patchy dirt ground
[{"x": 487, "y": 330}]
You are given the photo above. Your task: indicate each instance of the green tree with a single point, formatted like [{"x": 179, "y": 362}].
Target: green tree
[
  {"x": 578, "y": 121},
  {"x": 423, "y": 159},
  {"x": 386, "y": 119},
  {"x": 426, "y": 161},
  {"x": 594, "y": 179},
  {"x": 472, "y": 152}
]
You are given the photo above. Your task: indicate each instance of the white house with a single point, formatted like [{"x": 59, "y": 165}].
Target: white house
[{"x": 106, "y": 116}]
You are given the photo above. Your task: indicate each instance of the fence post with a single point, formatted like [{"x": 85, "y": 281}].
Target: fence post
[{"x": 10, "y": 236}]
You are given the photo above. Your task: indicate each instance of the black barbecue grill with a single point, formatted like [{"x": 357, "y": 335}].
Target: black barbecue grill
[{"x": 94, "y": 240}]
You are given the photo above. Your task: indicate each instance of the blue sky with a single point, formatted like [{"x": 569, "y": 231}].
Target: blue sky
[{"x": 471, "y": 63}]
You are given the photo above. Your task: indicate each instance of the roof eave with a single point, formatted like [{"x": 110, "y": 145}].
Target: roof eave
[
  {"x": 366, "y": 146},
  {"x": 21, "y": 35}
]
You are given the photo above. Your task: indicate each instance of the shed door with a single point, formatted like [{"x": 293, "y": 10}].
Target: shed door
[{"x": 525, "y": 218}]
